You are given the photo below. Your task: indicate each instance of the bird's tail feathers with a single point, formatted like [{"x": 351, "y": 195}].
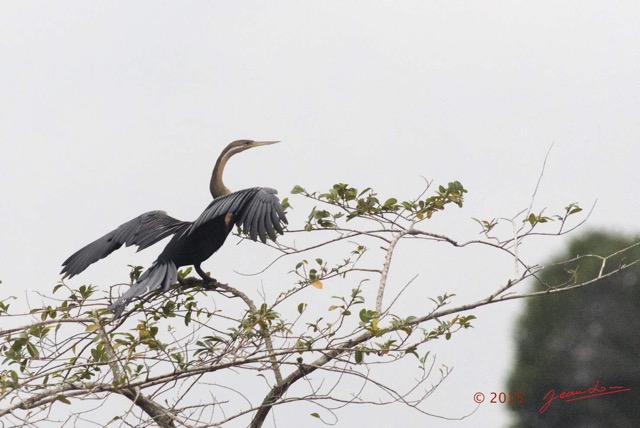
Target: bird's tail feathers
[{"x": 159, "y": 276}]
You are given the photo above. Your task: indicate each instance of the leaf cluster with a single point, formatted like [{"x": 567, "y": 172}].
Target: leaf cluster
[{"x": 354, "y": 203}]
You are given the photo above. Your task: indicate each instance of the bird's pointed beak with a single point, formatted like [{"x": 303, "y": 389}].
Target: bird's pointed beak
[{"x": 264, "y": 143}]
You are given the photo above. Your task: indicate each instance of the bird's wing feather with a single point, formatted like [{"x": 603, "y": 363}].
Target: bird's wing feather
[
  {"x": 159, "y": 276},
  {"x": 143, "y": 231},
  {"x": 257, "y": 210},
  {"x": 262, "y": 231}
]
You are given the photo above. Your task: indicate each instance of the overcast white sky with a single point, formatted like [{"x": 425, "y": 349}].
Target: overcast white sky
[{"x": 111, "y": 109}]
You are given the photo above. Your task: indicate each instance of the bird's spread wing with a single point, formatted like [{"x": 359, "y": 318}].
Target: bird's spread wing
[
  {"x": 257, "y": 210},
  {"x": 143, "y": 231}
]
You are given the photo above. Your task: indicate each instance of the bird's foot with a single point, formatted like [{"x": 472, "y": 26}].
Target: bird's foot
[{"x": 208, "y": 283}]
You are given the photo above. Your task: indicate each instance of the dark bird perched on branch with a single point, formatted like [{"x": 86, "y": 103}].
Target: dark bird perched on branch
[{"x": 257, "y": 210}]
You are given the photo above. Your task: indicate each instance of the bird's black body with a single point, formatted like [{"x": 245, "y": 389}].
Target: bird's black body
[
  {"x": 256, "y": 210},
  {"x": 194, "y": 248}
]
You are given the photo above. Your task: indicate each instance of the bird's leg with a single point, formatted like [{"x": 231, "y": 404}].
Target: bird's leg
[{"x": 207, "y": 280}]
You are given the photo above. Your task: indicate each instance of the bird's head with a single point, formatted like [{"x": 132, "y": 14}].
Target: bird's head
[
  {"x": 242, "y": 145},
  {"x": 217, "y": 186}
]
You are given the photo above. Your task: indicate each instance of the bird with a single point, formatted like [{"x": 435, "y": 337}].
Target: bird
[{"x": 256, "y": 210}]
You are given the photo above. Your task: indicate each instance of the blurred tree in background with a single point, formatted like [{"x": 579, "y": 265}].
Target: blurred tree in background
[{"x": 571, "y": 341}]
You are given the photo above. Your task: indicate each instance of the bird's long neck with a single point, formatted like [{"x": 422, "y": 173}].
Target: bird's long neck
[{"x": 217, "y": 186}]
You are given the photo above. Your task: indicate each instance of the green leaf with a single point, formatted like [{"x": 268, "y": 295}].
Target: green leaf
[
  {"x": 296, "y": 190},
  {"x": 92, "y": 327},
  {"x": 374, "y": 324},
  {"x": 364, "y": 191},
  {"x": 285, "y": 204},
  {"x": 390, "y": 201},
  {"x": 184, "y": 273},
  {"x": 413, "y": 350},
  {"x": 367, "y": 315},
  {"x": 301, "y": 307},
  {"x": 63, "y": 399},
  {"x": 33, "y": 351},
  {"x": 315, "y": 415}
]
